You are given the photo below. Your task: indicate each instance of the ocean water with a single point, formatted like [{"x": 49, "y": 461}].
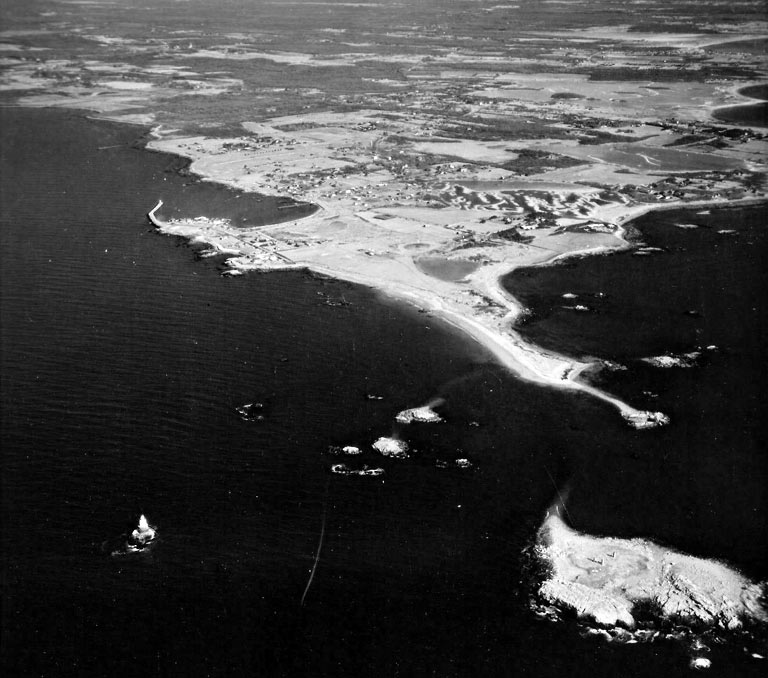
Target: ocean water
[
  {"x": 755, "y": 114},
  {"x": 124, "y": 358},
  {"x": 701, "y": 286}
]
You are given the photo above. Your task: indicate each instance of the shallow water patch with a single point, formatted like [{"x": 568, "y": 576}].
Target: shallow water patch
[{"x": 450, "y": 270}]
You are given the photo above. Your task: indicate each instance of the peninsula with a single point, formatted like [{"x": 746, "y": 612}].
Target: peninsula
[
  {"x": 432, "y": 185},
  {"x": 419, "y": 217}
]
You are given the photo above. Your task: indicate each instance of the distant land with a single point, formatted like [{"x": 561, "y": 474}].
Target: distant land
[{"x": 426, "y": 150}]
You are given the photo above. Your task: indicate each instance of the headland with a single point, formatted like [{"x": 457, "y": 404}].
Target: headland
[
  {"x": 432, "y": 185},
  {"x": 607, "y": 581},
  {"x": 381, "y": 247}
]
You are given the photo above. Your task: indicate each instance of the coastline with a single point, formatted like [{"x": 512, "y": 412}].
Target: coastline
[
  {"x": 370, "y": 231},
  {"x": 743, "y": 101},
  {"x": 606, "y": 580},
  {"x": 495, "y": 333},
  {"x": 453, "y": 303}
]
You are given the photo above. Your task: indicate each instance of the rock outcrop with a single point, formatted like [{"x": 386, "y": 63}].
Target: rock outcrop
[
  {"x": 645, "y": 419},
  {"x": 423, "y": 414},
  {"x": 391, "y": 447},
  {"x": 603, "y": 579},
  {"x": 344, "y": 470},
  {"x": 347, "y": 450},
  {"x": 667, "y": 361}
]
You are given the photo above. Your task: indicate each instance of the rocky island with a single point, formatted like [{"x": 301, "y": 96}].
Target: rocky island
[{"x": 606, "y": 579}]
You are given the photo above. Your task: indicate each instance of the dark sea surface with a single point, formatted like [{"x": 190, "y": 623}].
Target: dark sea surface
[
  {"x": 755, "y": 91},
  {"x": 703, "y": 287},
  {"x": 755, "y": 115},
  {"x": 124, "y": 356},
  {"x": 749, "y": 113}
]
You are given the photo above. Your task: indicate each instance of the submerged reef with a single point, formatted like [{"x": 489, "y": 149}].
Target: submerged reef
[{"x": 344, "y": 470}]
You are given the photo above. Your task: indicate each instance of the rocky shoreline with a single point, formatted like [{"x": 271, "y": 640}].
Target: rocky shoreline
[{"x": 606, "y": 581}]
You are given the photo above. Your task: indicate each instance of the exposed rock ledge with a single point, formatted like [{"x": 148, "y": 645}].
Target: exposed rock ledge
[
  {"x": 668, "y": 361},
  {"x": 602, "y": 579},
  {"x": 391, "y": 447},
  {"x": 645, "y": 419},
  {"x": 423, "y": 414}
]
